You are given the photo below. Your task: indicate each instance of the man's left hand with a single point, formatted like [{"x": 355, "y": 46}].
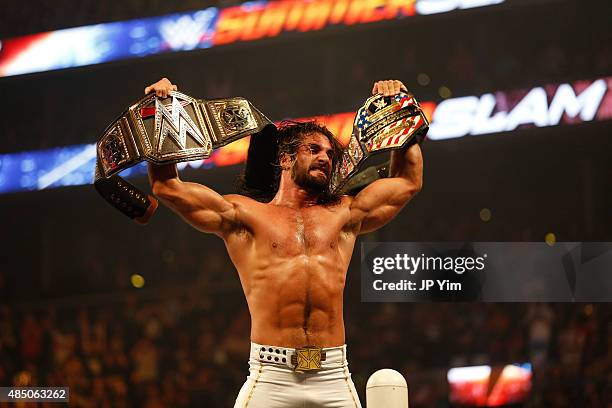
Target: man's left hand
[{"x": 388, "y": 88}]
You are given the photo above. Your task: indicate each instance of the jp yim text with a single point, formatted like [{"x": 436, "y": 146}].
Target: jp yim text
[{"x": 426, "y": 285}]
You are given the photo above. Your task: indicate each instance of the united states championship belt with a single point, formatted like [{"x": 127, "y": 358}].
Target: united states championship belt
[
  {"x": 382, "y": 123},
  {"x": 168, "y": 130}
]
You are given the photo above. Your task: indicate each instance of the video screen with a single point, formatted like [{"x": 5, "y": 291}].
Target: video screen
[{"x": 487, "y": 386}]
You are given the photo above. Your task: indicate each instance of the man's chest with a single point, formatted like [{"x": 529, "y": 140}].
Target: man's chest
[{"x": 304, "y": 230}]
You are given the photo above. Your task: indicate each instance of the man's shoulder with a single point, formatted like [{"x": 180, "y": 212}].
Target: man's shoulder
[
  {"x": 345, "y": 201},
  {"x": 239, "y": 199},
  {"x": 340, "y": 203}
]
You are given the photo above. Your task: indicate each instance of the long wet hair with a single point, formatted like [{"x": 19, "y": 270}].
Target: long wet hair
[{"x": 261, "y": 176}]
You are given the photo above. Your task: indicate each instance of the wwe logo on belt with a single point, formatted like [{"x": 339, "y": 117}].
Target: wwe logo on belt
[
  {"x": 380, "y": 103},
  {"x": 176, "y": 125}
]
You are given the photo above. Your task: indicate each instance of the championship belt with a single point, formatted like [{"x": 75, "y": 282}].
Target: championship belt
[
  {"x": 168, "y": 130},
  {"x": 382, "y": 123}
]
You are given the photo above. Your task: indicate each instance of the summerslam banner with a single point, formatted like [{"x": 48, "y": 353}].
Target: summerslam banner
[
  {"x": 95, "y": 44},
  {"x": 504, "y": 111}
]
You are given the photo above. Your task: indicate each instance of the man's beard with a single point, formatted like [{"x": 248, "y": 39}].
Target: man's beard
[{"x": 310, "y": 183}]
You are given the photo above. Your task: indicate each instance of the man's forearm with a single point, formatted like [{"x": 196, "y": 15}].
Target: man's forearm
[{"x": 407, "y": 164}]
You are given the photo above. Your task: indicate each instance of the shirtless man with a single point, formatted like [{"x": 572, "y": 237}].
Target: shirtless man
[{"x": 292, "y": 254}]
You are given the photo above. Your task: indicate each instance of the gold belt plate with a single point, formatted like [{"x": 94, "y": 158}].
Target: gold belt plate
[{"x": 308, "y": 358}]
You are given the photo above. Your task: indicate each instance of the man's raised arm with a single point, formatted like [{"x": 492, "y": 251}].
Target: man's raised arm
[
  {"x": 382, "y": 200},
  {"x": 200, "y": 206}
]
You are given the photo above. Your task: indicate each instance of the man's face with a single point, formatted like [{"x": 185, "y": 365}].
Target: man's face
[{"x": 313, "y": 163}]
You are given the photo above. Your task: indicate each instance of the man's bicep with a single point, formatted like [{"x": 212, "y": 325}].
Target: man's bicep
[
  {"x": 202, "y": 207},
  {"x": 380, "y": 202}
]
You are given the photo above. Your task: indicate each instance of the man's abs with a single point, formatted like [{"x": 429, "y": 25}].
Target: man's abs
[{"x": 297, "y": 303}]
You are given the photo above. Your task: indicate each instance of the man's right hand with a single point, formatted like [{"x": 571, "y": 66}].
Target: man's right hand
[{"x": 161, "y": 88}]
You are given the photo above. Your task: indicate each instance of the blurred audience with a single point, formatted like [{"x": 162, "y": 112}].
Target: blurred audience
[{"x": 187, "y": 345}]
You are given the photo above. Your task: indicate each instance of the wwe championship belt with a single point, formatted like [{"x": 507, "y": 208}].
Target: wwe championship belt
[
  {"x": 164, "y": 131},
  {"x": 383, "y": 123}
]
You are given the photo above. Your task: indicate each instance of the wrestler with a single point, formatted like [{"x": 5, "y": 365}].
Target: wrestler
[{"x": 292, "y": 254}]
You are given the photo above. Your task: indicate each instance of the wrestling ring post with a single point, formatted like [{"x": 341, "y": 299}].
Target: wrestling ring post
[{"x": 386, "y": 388}]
